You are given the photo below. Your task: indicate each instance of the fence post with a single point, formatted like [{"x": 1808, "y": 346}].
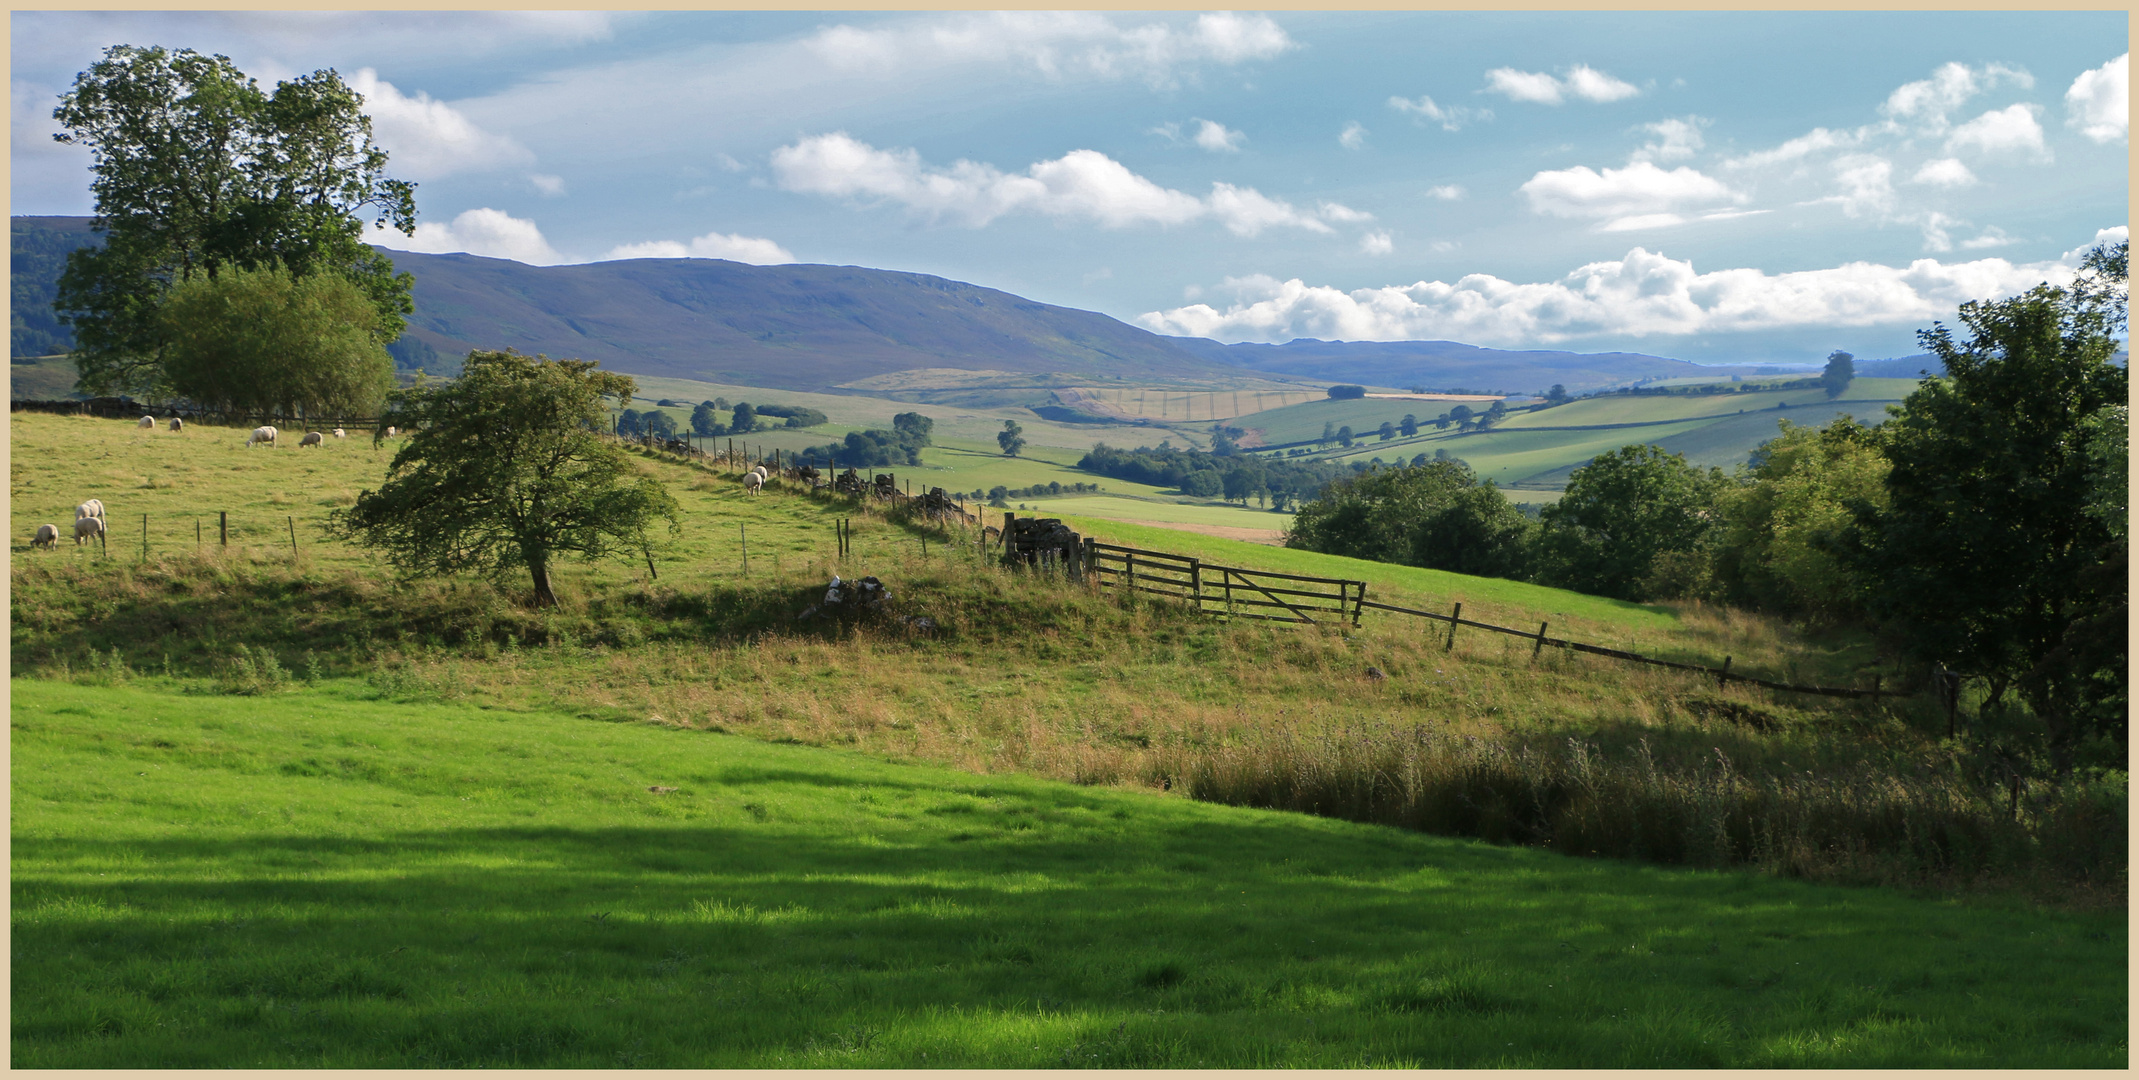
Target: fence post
[
  {"x": 1724, "y": 675},
  {"x": 1359, "y": 605},
  {"x": 1128, "y": 560},
  {"x": 1540, "y": 646},
  {"x": 196, "y": 534},
  {"x": 144, "y": 538},
  {"x": 293, "y": 534},
  {"x": 746, "y": 549},
  {"x": 1195, "y": 581},
  {"x": 224, "y": 517},
  {"x": 1452, "y": 621}
]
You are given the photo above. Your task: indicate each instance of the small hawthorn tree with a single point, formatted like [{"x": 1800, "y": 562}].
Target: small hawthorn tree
[
  {"x": 505, "y": 470},
  {"x": 1011, "y": 438}
]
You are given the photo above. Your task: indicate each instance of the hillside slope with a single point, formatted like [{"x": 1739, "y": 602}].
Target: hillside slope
[{"x": 1446, "y": 365}]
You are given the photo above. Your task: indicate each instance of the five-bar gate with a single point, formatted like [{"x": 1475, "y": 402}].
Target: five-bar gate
[{"x": 1225, "y": 590}]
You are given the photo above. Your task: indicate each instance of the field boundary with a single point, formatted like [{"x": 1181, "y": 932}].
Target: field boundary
[{"x": 1218, "y": 590}]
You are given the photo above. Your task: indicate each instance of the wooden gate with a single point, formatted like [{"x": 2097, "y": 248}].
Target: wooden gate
[{"x": 1226, "y": 590}]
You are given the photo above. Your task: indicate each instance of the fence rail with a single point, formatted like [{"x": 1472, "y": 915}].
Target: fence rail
[{"x": 1235, "y": 592}]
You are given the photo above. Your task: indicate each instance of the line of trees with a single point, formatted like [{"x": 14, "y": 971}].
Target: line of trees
[
  {"x": 901, "y": 444},
  {"x": 1982, "y": 528},
  {"x": 1279, "y": 482}
]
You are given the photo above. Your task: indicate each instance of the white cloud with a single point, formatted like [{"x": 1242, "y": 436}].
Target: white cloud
[
  {"x": 1867, "y": 186},
  {"x": 1339, "y": 212},
  {"x": 1935, "y": 235},
  {"x": 1640, "y": 194},
  {"x": 1376, "y": 243},
  {"x": 713, "y": 245},
  {"x": 1991, "y": 237},
  {"x": 1058, "y": 44},
  {"x": 1582, "y": 81},
  {"x": 1450, "y": 117},
  {"x": 482, "y": 231},
  {"x": 1675, "y": 140},
  {"x": 1945, "y": 173},
  {"x": 1817, "y": 140},
  {"x": 1082, "y": 184},
  {"x": 1927, "y": 101},
  {"x": 1215, "y": 137},
  {"x": 1644, "y": 294},
  {"x": 1353, "y": 137},
  {"x": 2099, "y": 101},
  {"x": 427, "y": 138},
  {"x": 1445, "y": 192},
  {"x": 2011, "y": 130},
  {"x": 546, "y": 184}
]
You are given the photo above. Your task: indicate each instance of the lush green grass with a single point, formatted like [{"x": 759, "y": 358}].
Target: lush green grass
[
  {"x": 1297, "y": 423},
  {"x": 42, "y": 378},
  {"x": 1109, "y": 508},
  {"x": 1484, "y": 599},
  {"x": 315, "y": 880}
]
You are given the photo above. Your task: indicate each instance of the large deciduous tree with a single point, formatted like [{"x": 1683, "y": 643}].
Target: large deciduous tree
[
  {"x": 1983, "y": 558},
  {"x": 1618, "y": 515},
  {"x": 267, "y": 342},
  {"x": 198, "y": 169},
  {"x": 505, "y": 471},
  {"x": 1781, "y": 527},
  {"x": 1436, "y": 515}
]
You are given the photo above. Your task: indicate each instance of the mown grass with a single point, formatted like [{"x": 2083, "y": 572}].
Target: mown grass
[{"x": 334, "y": 877}]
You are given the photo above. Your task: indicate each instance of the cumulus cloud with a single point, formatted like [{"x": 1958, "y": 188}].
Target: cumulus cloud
[
  {"x": 1673, "y": 140},
  {"x": 713, "y": 245},
  {"x": 1944, "y": 173},
  {"x": 1866, "y": 186},
  {"x": 1812, "y": 142},
  {"x": 1376, "y": 243},
  {"x": 2099, "y": 101},
  {"x": 1450, "y": 117},
  {"x": 1353, "y": 137},
  {"x": 1637, "y": 196},
  {"x": 428, "y": 138},
  {"x": 1582, "y": 81},
  {"x": 1215, "y": 137},
  {"x": 1082, "y": 184},
  {"x": 1058, "y": 44},
  {"x": 482, "y": 231},
  {"x": 1445, "y": 192},
  {"x": 1927, "y": 102},
  {"x": 2011, "y": 131},
  {"x": 1643, "y": 294}
]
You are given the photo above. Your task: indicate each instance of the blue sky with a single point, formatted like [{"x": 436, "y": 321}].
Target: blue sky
[{"x": 1714, "y": 186}]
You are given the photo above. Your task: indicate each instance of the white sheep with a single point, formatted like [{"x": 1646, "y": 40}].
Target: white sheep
[
  {"x": 261, "y": 434},
  {"x": 87, "y": 529},
  {"x": 340, "y": 434},
  {"x": 148, "y": 423},
  {"x": 177, "y": 424},
  {"x": 752, "y": 481},
  {"x": 94, "y": 508},
  {"x": 392, "y": 431},
  {"x": 312, "y": 438},
  {"x": 47, "y": 536}
]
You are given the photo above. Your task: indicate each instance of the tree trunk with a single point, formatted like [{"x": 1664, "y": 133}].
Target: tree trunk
[{"x": 538, "y": 567}]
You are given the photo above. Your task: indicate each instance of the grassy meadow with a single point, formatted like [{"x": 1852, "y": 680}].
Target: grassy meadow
[
  {"x": 336, "y": 878},
  {"x": 277, "y": 808}
]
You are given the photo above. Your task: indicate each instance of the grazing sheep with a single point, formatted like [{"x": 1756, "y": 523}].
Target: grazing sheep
[
  {"x": 262, "y": 434},
  {"x": 47, "y": 536},
  {"x": 312, "y": 438},
  {"x": 340, "y": 434},
  {"x": 392, "y": 431},
  {"x": 94, "y": 508},
  {"x": 87, "y": 529},
  {"x": 177, "y": 424},
  {"x": 752, "y": 482},
  {"x": 148, "y": 422}
]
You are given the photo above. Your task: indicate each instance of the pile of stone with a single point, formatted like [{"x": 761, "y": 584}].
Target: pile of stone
[
  {"x": 848, "y": 597},
  {"x": 850, "y": 483},
  {"x": 1043, "y": 542},
  {"x": 940, "y": 505}
]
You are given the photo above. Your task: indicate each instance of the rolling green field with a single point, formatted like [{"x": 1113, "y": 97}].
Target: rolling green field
[
  {"x": 1537, "y": 449},
  {"x": 331, "y": 878}
]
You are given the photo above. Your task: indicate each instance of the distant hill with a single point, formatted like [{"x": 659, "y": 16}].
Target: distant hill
[
  {"x": 37, "y": 252},
  {"x": 1449, "y": 365}
]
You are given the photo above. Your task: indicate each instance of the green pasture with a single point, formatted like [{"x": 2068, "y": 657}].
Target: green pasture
[
  {"x": 1647, "y": 408},
  {"x": 41, "y": 378},
  {"x": 1302, "y": 422},
  {"x": 1484, "y": 599},
  {"x": 1116, "y": 508},
  {"x": 332, "y": 879}
]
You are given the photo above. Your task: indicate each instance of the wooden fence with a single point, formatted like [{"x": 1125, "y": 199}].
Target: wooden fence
[{"x": 1295, "y": 598}]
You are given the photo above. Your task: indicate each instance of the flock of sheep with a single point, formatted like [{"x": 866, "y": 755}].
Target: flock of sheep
[
  {"x": 88, "y": 525},
  {"x": 89, "y": 516}
]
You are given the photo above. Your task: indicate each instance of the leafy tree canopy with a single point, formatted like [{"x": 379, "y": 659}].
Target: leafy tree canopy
[
  {"x": 265, "y": 342},
  {"x": 1011, "y": 438},
  {"x": 197, "y": 169},
  {"x": 505, "y": 471},
  {"x": 1618, "y": 514}
]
